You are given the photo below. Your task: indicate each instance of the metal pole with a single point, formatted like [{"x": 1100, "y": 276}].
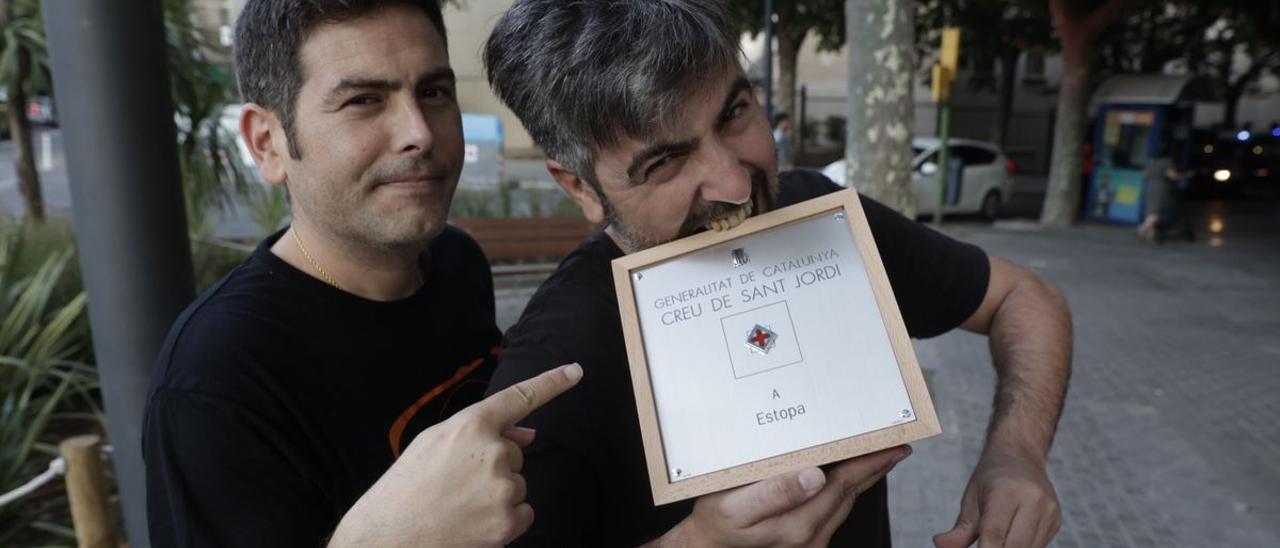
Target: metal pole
[
  {"x": 109, "y": 65},
  {"x": 943, "y": 161},
  {"x": 768, "y": 59}
]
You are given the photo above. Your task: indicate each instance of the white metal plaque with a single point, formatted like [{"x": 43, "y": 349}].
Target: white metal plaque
[
  {"x": 765, "y": 345},
  {"x": 767, "y": 348}
]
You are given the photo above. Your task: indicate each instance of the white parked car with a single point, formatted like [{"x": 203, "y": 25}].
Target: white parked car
[
  {"x": 229, "y": 120},
  {"x": 982, "y": 176}
]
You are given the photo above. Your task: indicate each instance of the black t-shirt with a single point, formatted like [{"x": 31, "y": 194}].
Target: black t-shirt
[
  {"x": 278, "y": 400},
  {"x": 586, "y": 475}
]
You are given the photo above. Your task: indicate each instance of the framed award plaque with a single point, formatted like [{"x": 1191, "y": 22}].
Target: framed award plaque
[{"x": 767, "y": 348}]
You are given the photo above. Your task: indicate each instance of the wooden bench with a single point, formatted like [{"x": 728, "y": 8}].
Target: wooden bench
[{"x": 523, "y": 240}]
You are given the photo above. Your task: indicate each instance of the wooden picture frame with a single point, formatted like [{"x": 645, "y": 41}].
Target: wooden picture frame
[{"x": 918, "y": 419}]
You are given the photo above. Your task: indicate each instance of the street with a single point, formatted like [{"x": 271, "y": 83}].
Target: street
[
  {"x": 233, "y": 224},
  {"x": 52, "y": 167},
  {"x": 1168, "y": 437}
]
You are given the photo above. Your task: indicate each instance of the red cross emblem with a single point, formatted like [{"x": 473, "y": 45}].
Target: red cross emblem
[{"x": 761, "y": 339}]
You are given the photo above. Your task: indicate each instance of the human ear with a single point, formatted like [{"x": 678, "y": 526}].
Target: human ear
[
  {"x": 265, "y": 136},
  {"x": 579, "y": 190}
]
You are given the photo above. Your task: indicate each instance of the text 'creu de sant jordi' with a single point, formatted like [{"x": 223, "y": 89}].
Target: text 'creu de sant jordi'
[{"x": 748, "y": 286}]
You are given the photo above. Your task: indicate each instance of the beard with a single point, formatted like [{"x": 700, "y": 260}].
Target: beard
[{"x": 763, "y": 192}]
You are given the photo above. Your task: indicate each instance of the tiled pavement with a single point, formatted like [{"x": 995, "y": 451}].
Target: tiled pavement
[{"x": 1171, "y": 434}]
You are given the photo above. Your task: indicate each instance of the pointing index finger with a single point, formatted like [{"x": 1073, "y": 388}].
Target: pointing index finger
[{"x": 515, "y": 402}]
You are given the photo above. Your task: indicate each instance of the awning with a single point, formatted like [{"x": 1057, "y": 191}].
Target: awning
[{"x": 1154, "y": 89}]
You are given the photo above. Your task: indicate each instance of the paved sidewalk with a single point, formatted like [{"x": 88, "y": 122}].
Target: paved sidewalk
[{"x": 1170, "y": 436}]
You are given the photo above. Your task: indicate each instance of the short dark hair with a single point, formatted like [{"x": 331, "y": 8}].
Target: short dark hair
[
  {"x": 581, "y": 74},
  {"x": 269, "y": 34}
]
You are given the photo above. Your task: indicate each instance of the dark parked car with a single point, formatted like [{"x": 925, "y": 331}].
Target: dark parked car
[
  {"x": 1234, "y": 164},
  {"x": 40, "y": 111}
]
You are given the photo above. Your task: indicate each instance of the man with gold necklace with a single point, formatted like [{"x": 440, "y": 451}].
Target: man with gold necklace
[{"x": 329, "y": 388}]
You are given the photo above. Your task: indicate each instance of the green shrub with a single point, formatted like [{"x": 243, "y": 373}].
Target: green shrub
[
  {"x": 566, "y": 208},
  {"x": 475, "y": 204},
  {"x": 48, "y": 390},
  {"x": 269, "y": 206},
  {"x": 212, "y": 260}
]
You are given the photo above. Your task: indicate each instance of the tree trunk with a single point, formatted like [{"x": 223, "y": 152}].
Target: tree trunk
[
  {"x": 1004, "y": 105},
  {"x": 1063, "y": 191},
  {"x": 1078, "y": 36},
  {"x": 1231, "y": 106},
  {"x": 1194, "y": 52},
  {"x": 1235, "y": 90},
  {"x": 1225, "y": 62},
  {"x": 20, "y": 132},
  {"x": 1033, "y": 72},
  {"x": 1150, "y": 62},
  {"x": 878, "y": 134}
]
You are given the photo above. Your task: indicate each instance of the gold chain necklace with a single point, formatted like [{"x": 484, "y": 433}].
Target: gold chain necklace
[{"x": 314, "y": 264}]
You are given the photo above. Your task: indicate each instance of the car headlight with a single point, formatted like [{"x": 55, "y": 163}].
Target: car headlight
[{"x": 1222, "y": 175}]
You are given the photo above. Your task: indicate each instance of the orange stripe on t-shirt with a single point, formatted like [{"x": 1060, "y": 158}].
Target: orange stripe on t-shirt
[{"x": 397, "y": 427}]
